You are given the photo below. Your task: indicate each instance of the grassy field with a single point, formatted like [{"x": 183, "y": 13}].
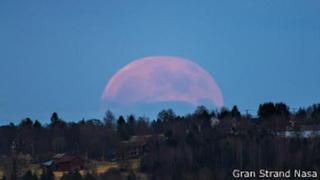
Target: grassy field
[
  {"x": 135, "y": 164},
  {"x": 59, "y": 174},
  {"x": 35, "y": 168},
  {"x": 1, "y": 172},
  {"x": 101, "y": 167}
]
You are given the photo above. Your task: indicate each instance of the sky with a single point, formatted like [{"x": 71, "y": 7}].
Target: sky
[{"x": 58, "y": 56}]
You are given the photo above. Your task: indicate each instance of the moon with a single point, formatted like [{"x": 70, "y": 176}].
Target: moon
[{"x": 162, "y": 79}]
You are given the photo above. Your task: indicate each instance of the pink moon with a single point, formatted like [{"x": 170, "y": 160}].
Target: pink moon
[{"x": 162, "y": 79}]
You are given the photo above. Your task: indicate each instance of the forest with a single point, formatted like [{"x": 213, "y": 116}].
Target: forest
[{"x": 205, "y": 144}]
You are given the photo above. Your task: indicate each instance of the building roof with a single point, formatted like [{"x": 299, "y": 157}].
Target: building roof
[
  {"x": 310, "y": 127},
  {"x": 48, "y": 163},
  {"x": 65, "y": 159},
  {"x": 305, "y": 128},
  {"x": 139, "y": 140},
  {"x": 57, "y": 156}
]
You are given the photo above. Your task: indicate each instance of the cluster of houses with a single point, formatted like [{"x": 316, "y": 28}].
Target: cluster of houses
[
  {"x": 136, "y": 146},
  {"x": 304, "y": 131}
]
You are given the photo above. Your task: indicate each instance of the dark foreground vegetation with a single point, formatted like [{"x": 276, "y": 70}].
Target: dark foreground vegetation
[{"x": 202, "y": 145}]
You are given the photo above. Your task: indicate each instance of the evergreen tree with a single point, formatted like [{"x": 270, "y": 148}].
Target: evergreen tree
[
  {"x": 48, "y": 175},
  {"x": 14, "y": 170},
  {"x": 29, "y": 176},
  {"x": 56, "y": 121},
  {"x": 122, "y": 129},
  {"x": 132, "y": 176},
  {"x": 235, "y": 112},
  {"x": 37, "y": 125},
  {"x": 76, "y": 176},
  {"x": 89, "y": 176},
  {"x": 54, "y": 118},
  {"x": 26, "y": 123},
  {"x": 131, "y": 125},
  {"x": 266, "y": 110},
  {"x": 109, "y": 119}
]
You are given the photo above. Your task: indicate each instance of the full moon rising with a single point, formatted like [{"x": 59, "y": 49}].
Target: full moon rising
[{"x": 162, "y": 79}]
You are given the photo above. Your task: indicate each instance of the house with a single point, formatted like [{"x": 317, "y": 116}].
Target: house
[
  {"x": 137, "y": 146},
  {"x": 303, "y": 131},
  {"x": 63, "y": 162},
  {"x": 214, "y": 122}
]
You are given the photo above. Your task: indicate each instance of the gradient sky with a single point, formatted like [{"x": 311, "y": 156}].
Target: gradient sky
[{"x": 59, "y": 55}]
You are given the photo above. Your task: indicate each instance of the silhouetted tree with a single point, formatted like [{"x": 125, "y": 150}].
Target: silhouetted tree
[
  {"x": 14, "y": 171},
  {"x": 132, "y": 176},
  {"x": 54, "y": 118},
  {"x": 26, "y": 123},
  {"x": 235, "y": 112},
  {"x": 29, "y": 176},
  {"x": 166, "y": 115},
  {"x": 59, "y": 144},
  {"x": 315, "y": 112},
  {"x": 109, "y": 119},
  {"x": 142, "y": 126},
  {"x": 37, "y": 125},
  {"x": 266, "y": 110},
  {"x": 89, "y": 176},
  {"x": 72, "y": 176},
  {"x": 224, "y": 113},
  {"x": 122, "y": 129},
  {"x": 173, "y": 147},
  {"x": 131, "y": 125},
  {"x": 47, "y": 175},
  {"x": 56, "y": 122},
  {"x": 281, "y": 109},
  {"x": 112, "y": 174}
]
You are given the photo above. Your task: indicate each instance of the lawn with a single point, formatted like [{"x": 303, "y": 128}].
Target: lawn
[
  {"x": 103, "y": 167},
  {"x": 59, "y": 174},
  {"x": 1, "y": 172},
  {"x": 134, "y": 164}
]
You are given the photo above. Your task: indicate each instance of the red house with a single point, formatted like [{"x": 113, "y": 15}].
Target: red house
[{"x": 62, "y": 162}]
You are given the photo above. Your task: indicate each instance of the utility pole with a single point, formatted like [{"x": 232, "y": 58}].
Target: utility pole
[
  {"x": 247, "y": 112},
  {"x": 294, "y": 110}
]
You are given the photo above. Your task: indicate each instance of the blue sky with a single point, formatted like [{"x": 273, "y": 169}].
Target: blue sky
[{"x": 59, "y": 55}]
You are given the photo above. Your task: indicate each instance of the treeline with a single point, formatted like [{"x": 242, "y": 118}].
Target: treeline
[
  {"x": 92, "y": 138},
  {"x": 202, "y": 145}
]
